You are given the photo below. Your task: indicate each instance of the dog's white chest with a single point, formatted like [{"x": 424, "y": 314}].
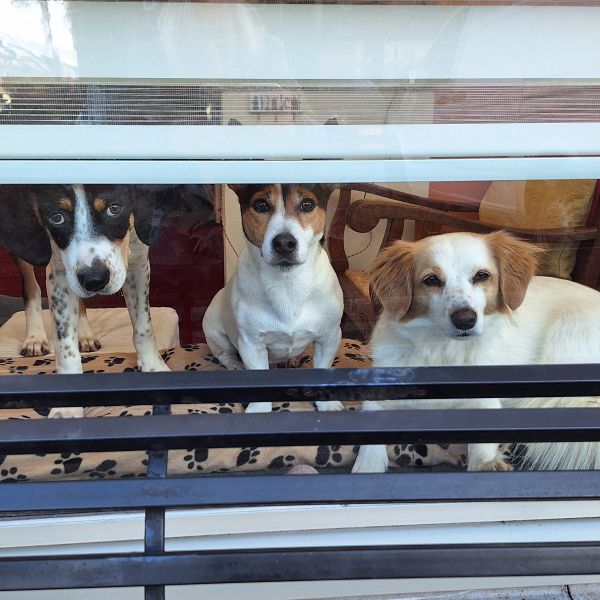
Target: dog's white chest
[{"x": 282, "y": 345}]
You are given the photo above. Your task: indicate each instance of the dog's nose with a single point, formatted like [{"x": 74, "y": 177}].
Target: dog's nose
[
  {"x": 464, "y": 319},
  {"x": 284, "y": 244},
  {"x": 94, "y": 278}
]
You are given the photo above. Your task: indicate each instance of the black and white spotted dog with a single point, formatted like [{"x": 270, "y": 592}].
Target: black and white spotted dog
[{"x": 94, "y": 240}]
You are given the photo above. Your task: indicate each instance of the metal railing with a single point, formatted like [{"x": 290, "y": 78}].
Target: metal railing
[{"x": 154, "y": 568}]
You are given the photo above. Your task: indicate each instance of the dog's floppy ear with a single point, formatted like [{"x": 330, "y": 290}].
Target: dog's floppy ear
[
  {"x": 517, "y": 262},
  {"x": 21, "y": 232},
  {"x": 152, "y": 205},
  {"x": 240, "y": 189},
  {"x": 327, "y": 189},
  {"x": 391, "y": 278}
]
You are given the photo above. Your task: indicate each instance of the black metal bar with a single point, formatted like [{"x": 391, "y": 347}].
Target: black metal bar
[
  {"x": 216, "y": 491},
  {"x": 154, "y": 525},
  {"x": 310, "y": 564},
  {"x": 300, "y": 384},
  {"x": 298, "y": 428}
]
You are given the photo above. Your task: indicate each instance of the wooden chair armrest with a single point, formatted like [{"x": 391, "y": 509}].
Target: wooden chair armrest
[
  {"x": 363, "y": 215},
  {"x": 445, "y": 205}
]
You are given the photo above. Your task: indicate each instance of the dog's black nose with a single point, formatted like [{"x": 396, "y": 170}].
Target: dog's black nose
[
  {"x": 94, "y": 278},
  {"x": 464, "y": 319},
  {"x": 284, "y": 244}
]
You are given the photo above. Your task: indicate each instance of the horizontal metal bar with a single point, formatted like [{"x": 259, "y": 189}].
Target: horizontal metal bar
[
  {"x": 300, "y": 384},
  {"x": 310, "y": 564},
  {"x": 298, "y": 429},
  {"x": 261, "y": 490}
]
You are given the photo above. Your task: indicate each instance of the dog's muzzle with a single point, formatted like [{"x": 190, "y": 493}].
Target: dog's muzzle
[
  {"x": 94, "y": 278},
  {"x": 285, "y": 246},
  {"x": 464, "y": 319}
]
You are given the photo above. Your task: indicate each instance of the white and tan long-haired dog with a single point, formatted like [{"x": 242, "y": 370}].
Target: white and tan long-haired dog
[
  {"x": 284, "y": 294},
  {"x": 466, "y": 299}
]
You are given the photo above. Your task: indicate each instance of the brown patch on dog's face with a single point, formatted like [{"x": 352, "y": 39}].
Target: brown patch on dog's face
[
  {"x": 307, "y": 204},
  {"x": 65, "y": 204},
  {"x": 99, "y": 204},
  {"x": 258, "y": 202}
]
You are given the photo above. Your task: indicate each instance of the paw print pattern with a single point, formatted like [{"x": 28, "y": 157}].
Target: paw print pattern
[
  {"x": 42, "y": 362},
  {"x": 282, "y": 462},
  {"x": 194, "y": 366},
  {"x": 104, "y": 469},
  {"x": 67, "y": 464},
  {"x": 328, "y": 456},
  {"x": 87, "y": 359},
  {"x": 401, "y": 457},
  {"x": 195, "y": 457},
  {"x": 283, "y": 407},
  {"x": 356, "y": 357},
  {"x": 223, "y": 408},
  {"x": 12, "y": 475},
  {"x": 7, "y": 361},
  {"x": 113, "y": 361},
  {"x": 351, "y": 346},
  {"x": 167, "y": 355},
  {"x": 190, "y": 347},
  {"x": 247, "y": 456},
  {"x": 17, "y": 369}
]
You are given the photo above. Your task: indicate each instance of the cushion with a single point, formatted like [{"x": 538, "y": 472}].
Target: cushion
[
  {"x": 112, "y": 326},
  {"x": 194, "y": 461},
  {"x": 545, "y": 204}
]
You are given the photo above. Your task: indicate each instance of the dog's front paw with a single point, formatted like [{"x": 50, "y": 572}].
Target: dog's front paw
[
  {"x": 89, "y": 344},
  {"x": 259, "y": 407},
  {"x": 35, "y": 346},
  {"x": 371, "y": 459},
  {"x": 497, "y": 464},
  {"x": 231, "y": 363},
  {"x": 70, "y": 412},
  {"x": 152, "y": 366},
  {"x": 330, "y": 405}
]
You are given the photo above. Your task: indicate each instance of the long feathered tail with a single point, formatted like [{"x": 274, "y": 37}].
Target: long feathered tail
[{"x": 558, "y": 456}]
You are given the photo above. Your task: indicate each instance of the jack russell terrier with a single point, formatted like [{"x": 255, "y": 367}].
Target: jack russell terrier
[
  {"x": 284, "y": 294},
  {"x": 95, "y": 240}
]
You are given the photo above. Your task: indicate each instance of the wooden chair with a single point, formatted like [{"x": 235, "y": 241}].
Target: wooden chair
[{"x": 432, "y": 216}]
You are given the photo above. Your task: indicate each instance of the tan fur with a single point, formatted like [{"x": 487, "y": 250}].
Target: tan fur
[
  {"x": 99, "y": 204},
  {"x": 255, "y": 224},
  {"x": 65, "y": 204},
  {"x": 517, "y": 263},
  {"x": 391, "y": 277},
  {"x": 315, "y": 219}
]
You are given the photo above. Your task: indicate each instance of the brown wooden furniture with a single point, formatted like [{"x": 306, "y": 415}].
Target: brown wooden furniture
[{"x": 431, "y": 217}]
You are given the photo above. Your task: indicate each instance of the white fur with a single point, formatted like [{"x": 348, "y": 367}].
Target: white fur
[
  {"x": 282, "y": 223},
  {"x": 269, "y": 314},
  {"x": 558, "y": 322},
  {"x": 84, "y": 247}
]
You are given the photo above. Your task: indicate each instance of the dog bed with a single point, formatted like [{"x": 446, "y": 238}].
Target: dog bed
[
  {"x": 112, "y": 326},
  {"x": 194, "y": 461}
]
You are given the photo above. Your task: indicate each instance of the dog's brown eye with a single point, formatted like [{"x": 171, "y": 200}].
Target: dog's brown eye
[
  {"x": 261, "y": 206},
  {"x": 114, "y": 209},
  {"x": 56, "y": 218},
  {"x": 307, "y": 205},
  {"x": 481, "y": 276},
  {"x": 432, "y": 281}
]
